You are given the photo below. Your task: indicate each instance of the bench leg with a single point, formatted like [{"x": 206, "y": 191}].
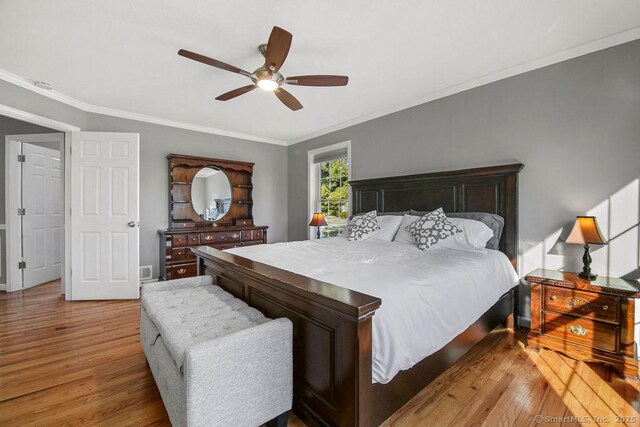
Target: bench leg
[{"x": 279, "y": 421}]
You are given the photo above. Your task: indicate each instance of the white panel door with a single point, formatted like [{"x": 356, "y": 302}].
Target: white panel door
[
  {"x": 42, "y": 222},
  {"x": 104, "y": 215}
]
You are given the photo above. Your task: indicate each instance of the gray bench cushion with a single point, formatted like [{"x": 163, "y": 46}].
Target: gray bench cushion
[{"x": 194, "y": 313}]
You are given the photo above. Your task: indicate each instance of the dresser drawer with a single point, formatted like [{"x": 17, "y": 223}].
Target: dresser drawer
[
  {"x": 253, "y": 234},
  {"x": 181, "y": 271},
  {"x": 219, "y": 236},
  {"x": 186, "y": 240},
  {"x": 182, "y": 254},
  {"x": 252, "y": 243},
  {"x": 581, "y": 331},
  {"x": 581, "y": 304},
  {"x": 223, "y": 246}
]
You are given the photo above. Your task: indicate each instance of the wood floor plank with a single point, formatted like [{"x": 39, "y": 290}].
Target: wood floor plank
[{"x": 81, "y": 363}]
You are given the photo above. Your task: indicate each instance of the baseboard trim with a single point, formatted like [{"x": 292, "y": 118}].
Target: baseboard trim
[
  {"x": 3, "y": 287},
  {"x": 144, "y": 282}
]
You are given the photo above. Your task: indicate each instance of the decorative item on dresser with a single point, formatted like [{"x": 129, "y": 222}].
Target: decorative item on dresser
[
  {"x": 591, "y": 320},
  {"x": 210, "y": 203}
]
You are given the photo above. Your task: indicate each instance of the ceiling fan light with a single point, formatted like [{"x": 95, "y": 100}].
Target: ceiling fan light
[{"x": 268, "y": 85}]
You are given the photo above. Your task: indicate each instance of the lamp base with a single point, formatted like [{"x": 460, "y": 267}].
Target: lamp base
[
  {"x": 586, "y": 269},
  {"x": 588, "y": 276}
]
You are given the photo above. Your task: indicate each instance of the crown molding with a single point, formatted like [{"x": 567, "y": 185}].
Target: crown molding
[
  {"x": 583, "y": 49},
  {"x": 14, "y": 113},
  {"x": 580, "y": 50},
  {"x": 65, "y": 99}
]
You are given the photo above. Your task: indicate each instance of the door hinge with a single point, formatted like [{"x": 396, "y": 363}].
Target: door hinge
[
  {"x": 22, "y": 265},
  {"x": 22, "y": 211},
  {"x": 22, "y": 158}
]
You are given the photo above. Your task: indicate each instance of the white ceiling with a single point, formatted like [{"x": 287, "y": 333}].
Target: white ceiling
[{"x": 122, "y": 55}]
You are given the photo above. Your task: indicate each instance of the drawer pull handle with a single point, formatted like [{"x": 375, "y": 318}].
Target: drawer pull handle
[
  {"x": 222, "y": 237},
  {"x": 235, "y": 236},
  {"x": 553, "y": 297},
  {"x": 578, "y": 330},
  {"x": 605, "y": 307},
  {"x": 208, "y": 238},
  {"x": 182, "y": 270}
]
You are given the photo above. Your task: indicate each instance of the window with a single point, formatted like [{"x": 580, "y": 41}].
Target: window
[
  {"x": 329, "y": 171},
  {"x": 334, "y": 195}
]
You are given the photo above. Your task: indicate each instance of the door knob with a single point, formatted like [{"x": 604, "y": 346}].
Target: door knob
[{"x": 131, "y": 223}]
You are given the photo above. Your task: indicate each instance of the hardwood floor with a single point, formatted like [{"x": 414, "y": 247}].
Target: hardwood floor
[{"x": 80, "y": 363}]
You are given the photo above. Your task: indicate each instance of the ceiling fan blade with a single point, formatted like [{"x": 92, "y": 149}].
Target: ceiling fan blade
[
  {"x": 288, "y": 99},
  {"x": 212, "y": 62},
  {"x": 236, "y": 92},
  {"x": 318, "y": 80},
  {"x": 277, "y": 48}
]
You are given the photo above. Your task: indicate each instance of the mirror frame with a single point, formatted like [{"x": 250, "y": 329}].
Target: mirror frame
[{"x": 182, "y": 170}]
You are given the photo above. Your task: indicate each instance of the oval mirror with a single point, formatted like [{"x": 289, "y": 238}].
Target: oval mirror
[{"x": 211, "y": 194}]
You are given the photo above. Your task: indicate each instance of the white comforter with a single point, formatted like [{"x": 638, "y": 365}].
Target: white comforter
[{"x": 427, "y": 297}]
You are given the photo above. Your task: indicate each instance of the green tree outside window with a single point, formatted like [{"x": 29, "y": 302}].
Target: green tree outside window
[{"x": 334, "y": 195}]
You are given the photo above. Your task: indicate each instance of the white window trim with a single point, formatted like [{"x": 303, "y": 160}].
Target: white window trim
[{"x": 313, "y": 198}]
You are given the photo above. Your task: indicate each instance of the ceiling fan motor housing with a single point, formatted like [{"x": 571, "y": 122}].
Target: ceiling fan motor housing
[{"x": 263, "y": 74}]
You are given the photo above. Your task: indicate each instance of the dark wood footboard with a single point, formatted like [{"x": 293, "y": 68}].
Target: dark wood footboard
[{"x": 331, "y": 333}]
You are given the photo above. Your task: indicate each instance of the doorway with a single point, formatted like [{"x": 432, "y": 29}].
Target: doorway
[{"x": 34, "y": 191}]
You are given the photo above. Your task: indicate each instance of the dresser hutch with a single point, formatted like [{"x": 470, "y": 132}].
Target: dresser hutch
[{"x": 210, "y": 204}]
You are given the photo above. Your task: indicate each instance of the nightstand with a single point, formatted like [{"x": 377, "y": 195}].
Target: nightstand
[{"x": 586, "y": 320}]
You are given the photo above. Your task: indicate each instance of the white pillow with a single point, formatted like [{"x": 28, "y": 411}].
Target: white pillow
[
  {"x": 474, "y": 236},
  {"x": 403, "y": 235},
  {"x": 388, "y": 224}
]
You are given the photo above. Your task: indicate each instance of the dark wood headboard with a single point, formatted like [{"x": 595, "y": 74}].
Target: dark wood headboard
[{"x": 491, "y": 189}]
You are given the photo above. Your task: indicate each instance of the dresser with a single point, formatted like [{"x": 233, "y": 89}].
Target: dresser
[
  {"x": 177, "y": 261},
  {"x": 586, "y": 320},
  {"x": 210, "y": 204}
]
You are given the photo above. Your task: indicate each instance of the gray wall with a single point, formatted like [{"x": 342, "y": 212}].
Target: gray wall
[
  {"x": 270, "y": 177},
  {"x": 9, "y": 126},
  {"x": 575, "y": 125}
]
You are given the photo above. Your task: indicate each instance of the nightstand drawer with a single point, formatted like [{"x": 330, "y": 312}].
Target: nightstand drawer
[
  {"x": 581, "y": 331},
  {"x": 581, "y": 304}
]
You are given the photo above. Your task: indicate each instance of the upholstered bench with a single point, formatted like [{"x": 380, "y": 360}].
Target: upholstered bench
[{"x": 216, "y": 361}]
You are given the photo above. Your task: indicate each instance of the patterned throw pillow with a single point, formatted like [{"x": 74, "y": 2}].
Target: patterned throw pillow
[
  {"x": 361, "y": 226},
  {"x": 432, "y": 228}
]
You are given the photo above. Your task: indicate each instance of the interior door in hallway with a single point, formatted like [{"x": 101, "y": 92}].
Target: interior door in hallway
[{"x": 42, "y": 221}]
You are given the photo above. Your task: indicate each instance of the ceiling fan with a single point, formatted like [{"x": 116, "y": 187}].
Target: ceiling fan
[{"x": 267, "y": 77}]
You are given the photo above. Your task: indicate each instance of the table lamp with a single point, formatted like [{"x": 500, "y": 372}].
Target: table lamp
[
  {"x": 318, "y": 221},
  {"x": 586, "y": 232}
]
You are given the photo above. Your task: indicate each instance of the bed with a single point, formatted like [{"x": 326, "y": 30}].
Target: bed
[{"x": 337, "y": 377}]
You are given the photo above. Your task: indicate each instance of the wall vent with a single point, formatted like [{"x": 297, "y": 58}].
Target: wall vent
[{"x": 146, "y": 272}]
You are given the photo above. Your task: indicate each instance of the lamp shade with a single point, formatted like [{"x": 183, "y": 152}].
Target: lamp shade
[
  {"x": 318, "y": 220},
  {"x": 586, "y": 231}
]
